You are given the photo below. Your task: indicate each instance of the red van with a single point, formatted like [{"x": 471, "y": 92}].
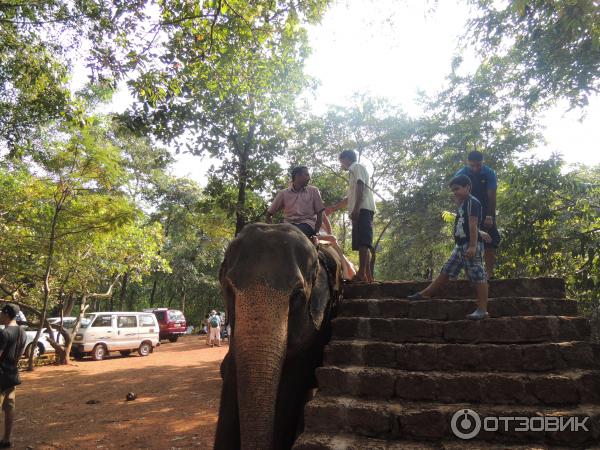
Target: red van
[{"x": 171, "y": 322}]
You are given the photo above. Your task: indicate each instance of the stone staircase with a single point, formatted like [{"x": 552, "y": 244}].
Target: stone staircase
[{"x": 397, "y": 372}]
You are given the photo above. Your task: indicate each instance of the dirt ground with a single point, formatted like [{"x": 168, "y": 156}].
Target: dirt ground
[{"x": 178, "y": 388}]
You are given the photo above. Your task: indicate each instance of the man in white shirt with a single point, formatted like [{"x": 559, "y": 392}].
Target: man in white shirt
[{"x": 361, "y": 206}]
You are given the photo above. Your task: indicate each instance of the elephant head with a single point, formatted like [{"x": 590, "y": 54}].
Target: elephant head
[{"x": 279, "y": 294}]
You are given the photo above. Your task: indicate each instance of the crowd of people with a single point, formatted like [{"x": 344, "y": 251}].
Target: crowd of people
[{"x": 475, "y": 231}]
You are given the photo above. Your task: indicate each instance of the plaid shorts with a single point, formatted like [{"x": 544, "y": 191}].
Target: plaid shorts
[{"x": 473, "y": 266}]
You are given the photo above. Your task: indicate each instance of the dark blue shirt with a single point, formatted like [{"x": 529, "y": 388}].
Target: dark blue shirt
[
  {"x": 469, "y": 207},
  {"x": 12, "y": 344},
  {"x": 480, "y": 183}
]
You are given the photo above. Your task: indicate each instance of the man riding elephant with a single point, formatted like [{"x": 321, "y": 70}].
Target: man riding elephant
[
  {"x": 279, "y": 293},
  {"x": 301, "y": 203}
]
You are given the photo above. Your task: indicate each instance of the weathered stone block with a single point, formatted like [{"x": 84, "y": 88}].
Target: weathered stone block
[
  {"x": 417, "y": 356},
  {"x": 502, "y": 389},
  {"x": 555, "y": 390},
  {"x": 416, "y": 386},
  {"x": 427, "y": 424},
  {"x": 379, "y": 354}
]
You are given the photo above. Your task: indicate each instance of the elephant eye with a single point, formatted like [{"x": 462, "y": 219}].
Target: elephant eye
[{"x": 298, "y": 296}]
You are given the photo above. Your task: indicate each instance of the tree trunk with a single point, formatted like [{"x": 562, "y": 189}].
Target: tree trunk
[
  {"x": 64, "y": 193},
  {"x": 376, "y": 246},
  {"x": 130, "y": 300},
  {"x": 83, "y": 306},
  {"x": 243, "y": 152},
  {"x": 240, "y": 216},
  {"x": 68, "y": 309},
  {"x": 167, "y": 226},
  {"x": 183, "y": 303},
  {"x": 153, "y": 292},
  {"x": 123, "y": 290}
]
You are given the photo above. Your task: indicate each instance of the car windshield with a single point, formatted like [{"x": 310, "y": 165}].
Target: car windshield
[
  {"x": 87, "y": 319},
  {"x": 176, "y": 316},
  {"x": 67, "y": 323}
]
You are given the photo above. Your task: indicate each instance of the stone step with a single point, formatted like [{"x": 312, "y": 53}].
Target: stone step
[
  {"x": 562, "y": 388},
  {"x": 506, "y": 330},
  {"x": 521, "y": 287},
  {"x": 474, "y": 357},
  {"x": 345, "y": 441},
  {"x": 444, "y": 309},
  {"x": 432, "y": 422}
]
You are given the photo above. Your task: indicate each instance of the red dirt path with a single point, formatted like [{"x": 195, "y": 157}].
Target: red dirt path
[{"x": 178, "y": 388}]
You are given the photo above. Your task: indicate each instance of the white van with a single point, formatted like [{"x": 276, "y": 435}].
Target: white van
[{"x": 104, "y": 332}]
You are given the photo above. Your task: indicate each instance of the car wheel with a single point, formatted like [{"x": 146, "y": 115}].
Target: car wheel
[
  {"x": 145, "y": 349},
  {"x": 36, "y": 353},
  {"x": 173, "y": 338},
  {"x": 125, "y": 352},
  {"x": 99, "y": 352}
]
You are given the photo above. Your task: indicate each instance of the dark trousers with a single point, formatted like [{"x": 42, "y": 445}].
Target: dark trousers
[
  {"x": 305, "y": 228},
  {"x": 362, "y": 230}
]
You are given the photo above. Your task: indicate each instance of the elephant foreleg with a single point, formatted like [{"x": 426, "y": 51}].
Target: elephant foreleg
[{"x": 228, "y": 427}]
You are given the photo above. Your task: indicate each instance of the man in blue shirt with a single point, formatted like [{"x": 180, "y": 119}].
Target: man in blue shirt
[{"x": 483, "y": 187}]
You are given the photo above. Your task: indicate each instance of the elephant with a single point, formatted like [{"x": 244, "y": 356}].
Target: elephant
[{"x": 280, "y": 294}]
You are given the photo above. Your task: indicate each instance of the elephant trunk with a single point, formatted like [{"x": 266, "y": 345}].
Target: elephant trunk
[{"x": 259, "y": 343}]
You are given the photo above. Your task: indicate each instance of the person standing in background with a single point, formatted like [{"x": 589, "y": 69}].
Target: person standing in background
[
  {"x": 12, "y": 344},
  {"x": 484, "y": 185}
]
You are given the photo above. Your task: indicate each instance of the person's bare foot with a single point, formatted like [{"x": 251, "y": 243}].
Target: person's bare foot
[{"x": 358, "y": 279}]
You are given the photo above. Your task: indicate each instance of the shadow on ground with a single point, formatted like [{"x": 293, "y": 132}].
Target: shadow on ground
[{"x": 177, "y": 387}]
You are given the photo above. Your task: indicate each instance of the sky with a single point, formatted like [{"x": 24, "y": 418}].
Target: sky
[{"x": 396, "y": 48}]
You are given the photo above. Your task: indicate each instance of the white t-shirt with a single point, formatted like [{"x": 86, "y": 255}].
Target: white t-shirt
[{"x": 358, "y": 172}]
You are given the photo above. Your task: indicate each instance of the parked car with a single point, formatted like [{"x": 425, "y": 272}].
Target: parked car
[
  {"x": 124, "y": 332},
  {"x": 68, "y": 322},
  {"x": 171, "y": 321},
  {"x": 43, "y": 346}
]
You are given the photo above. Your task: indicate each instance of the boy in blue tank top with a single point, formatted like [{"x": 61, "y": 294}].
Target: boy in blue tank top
[{"x": 468, "y": 249}]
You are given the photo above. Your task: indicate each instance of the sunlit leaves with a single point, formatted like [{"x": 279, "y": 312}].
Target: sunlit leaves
[{"x": 541, "y": 51}]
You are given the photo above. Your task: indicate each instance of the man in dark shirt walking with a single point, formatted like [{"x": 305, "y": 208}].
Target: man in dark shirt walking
[
  {"x": 484, "y": 184},
  {"x": 12, "y": 344}
]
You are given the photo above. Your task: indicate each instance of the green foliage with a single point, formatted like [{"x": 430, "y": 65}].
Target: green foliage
[
  {"x": 551, "y": 224},
  {"x": 77, "y": 182},
  {"x": 228, "y": 78},
  {"x": 540, "y": 51},
  {"x": 38, "y": 43},
  {"x": 221, "y": 78}
]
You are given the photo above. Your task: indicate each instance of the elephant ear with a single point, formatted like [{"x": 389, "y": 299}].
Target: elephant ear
[{"x": 326, "y": 288}]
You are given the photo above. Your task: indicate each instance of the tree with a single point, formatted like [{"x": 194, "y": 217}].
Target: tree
[
  {"x": 375, "y": 129},
  {"x": 540, "y": 51},
  {"x": 196, "y": 232},
  {"x": 62, "y": 229},
  {"x": 39, "y": 42},
  {"x": 228, "y": 78},
  {"x": 551, "y": 224}
]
